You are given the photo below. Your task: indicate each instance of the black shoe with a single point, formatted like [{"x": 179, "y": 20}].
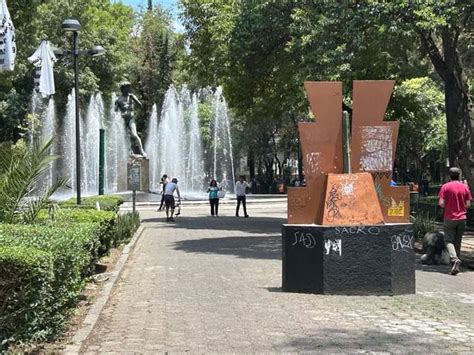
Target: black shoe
[
  {"x": 236, "y": 215},
  {"x": 246, "y": 216},
  {"x": 455, "y": 267},
  {"x": 167, "y": 219},
  {"x": 171, "y": 219}
]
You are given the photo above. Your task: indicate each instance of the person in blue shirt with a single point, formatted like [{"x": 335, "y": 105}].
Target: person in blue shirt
[{"x": 213, "y": 191}]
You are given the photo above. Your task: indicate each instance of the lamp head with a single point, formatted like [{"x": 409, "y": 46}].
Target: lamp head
[
  {"x": 96, "y": 51},
  {"x": 71, "y": 25}
]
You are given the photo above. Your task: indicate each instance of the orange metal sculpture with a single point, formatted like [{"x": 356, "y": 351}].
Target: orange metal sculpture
[{"x": 332, "y": 197}]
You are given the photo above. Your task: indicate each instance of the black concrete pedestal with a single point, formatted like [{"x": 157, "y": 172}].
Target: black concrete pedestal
[{"x": 350, "y": 260}]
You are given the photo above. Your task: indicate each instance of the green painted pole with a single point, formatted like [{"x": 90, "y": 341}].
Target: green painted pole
[
  {"x": 346, "y": 143},
  {"x": 101, "y": 160}
]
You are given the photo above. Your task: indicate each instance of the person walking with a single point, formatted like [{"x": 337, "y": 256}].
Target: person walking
[
  {"x": 213, "y": 191},
  {"x": 163, "y": 182},
  {"x": 455, "y": 198},
  {"x": 169, "y": 190},
  {"x": 240, "y": 191}
]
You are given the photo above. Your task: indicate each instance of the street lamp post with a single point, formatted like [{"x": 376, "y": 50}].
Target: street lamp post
[{"x": 72, "y": 25}]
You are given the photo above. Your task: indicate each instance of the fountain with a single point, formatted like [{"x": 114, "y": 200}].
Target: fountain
[
  {"x": 194, "y": 164},
  {"x": 174, "y": 142},
  {"x": 223, "y": 166},
  {"x": 90, "y": 144},
  {"x": 68, "y": 142},
  {"x": 45, "y": 112},
  {"x": 117, "y": 150},
  {"x": 175, "y": 146}
]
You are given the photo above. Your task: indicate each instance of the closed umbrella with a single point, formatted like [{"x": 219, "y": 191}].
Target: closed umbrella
[
  {"x": 43, "y": 59},
  {"x": 7, "y": 39}
]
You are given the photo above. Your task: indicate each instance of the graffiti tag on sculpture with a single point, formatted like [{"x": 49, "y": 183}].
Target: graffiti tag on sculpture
[{"x": 376, "y": 148}]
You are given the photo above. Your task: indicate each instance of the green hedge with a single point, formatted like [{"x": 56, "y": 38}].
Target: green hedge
[
  {"x": 44, "y": 267},
  {"x": 430, "y": 208},
  {"x": 52, "y": 264},
  {"x": 105, "y": 221},
  {"x": 26, "y": 293},
  {"x": 106, "y": 202},
  {"x": 125, "y": 227}
]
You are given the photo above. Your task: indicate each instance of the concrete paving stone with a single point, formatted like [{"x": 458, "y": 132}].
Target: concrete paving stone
[{"x": 207, "y": 285}]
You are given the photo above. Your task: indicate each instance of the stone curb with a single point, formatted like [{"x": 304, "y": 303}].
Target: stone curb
[
  {"x": 92, "y": 316},
  {"x": 128, "y": 204}
]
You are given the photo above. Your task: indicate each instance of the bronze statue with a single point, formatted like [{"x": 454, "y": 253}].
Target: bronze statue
[{"x": 125, "y": 103}]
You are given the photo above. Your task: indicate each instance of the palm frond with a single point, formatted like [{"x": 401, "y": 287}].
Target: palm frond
[
  {"x": 34, "y": 205},
  {"x": 20, "y": 177}
]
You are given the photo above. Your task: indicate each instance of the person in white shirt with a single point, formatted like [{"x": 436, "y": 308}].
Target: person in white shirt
[
  {"x": 169, "y": 190},
  {"x": 240, "y": 190}
]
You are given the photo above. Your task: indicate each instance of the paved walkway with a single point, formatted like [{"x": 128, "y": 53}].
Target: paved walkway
[{"x": 209, "y": 284}]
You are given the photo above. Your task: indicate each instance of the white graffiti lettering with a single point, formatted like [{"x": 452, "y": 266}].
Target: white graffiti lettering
[
  {"x": 306, "y": 239},
  {"x": 372, "y": 230},
  {"x": 402, "y": 242},
  {"x": 333, "y": 246}
]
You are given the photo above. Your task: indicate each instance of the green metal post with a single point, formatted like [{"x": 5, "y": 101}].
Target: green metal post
[
  {"x": 101, "y": 160},
  {"x": 346, "y": 143}
]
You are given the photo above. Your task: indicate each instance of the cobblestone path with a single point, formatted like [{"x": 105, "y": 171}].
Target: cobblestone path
[{"x": 206, "y": 284}]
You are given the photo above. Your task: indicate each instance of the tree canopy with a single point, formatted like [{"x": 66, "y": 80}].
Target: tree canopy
[{"x": 262, "y": 52}]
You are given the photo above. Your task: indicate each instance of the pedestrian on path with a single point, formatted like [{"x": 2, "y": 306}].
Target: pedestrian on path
[
  {"x": 240, "y": 191},
  {"x": 163, "y": 182},
  {"x": 213, "y": 191},
  {"x": 169, "y": 190},
  {"x": 455, "y": 198}
]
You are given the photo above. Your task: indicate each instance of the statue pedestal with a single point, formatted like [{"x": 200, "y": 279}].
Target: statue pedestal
[{"x": 349, "y": 260}]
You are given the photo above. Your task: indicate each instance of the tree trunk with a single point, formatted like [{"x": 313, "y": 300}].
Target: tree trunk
[
  {"x": 279, "y": 172},
  {"x": 448, "y": 65},
  {"x": 459, "y": 128},
  {"x": 251, "y": 163}
]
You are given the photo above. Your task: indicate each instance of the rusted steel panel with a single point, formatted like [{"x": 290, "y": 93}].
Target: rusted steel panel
[
  {"x": 374, "y": 144},
  {"x": 370, "y": 100},
  {"x": 394, "y": 200},
  {"x": 321, "y": 145},
  {"x": 351, "y": 200}
]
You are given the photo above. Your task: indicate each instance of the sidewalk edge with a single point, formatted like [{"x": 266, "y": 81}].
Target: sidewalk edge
[{"x": 95, "y": 311}]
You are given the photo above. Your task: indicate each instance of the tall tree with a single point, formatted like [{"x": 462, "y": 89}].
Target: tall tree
[
  {"x": 102, "y": 23},
  {"x": 439, "y": 26},
  {"x": 154, "y": 52}
]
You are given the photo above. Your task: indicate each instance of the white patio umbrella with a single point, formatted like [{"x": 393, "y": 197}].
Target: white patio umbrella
[
  {"x": 43, "y": 59},
  {"x": 7, "y": 39}
]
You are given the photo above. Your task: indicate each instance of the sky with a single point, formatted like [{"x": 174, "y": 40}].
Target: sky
[{"x": 171, "y": 5}]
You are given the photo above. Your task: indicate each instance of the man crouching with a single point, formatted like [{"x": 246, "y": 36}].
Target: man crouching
[{"x": 435, "y": 249}]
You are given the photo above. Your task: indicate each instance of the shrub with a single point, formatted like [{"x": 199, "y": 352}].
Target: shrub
[
  {"x": 105, "y": 221},
  {"x": 125, "y": 227},
  {"x": 422, "y": 224},
  {"x": 26, "y": 294},
  {"x": 429, "y": 207},
  {"x": 72, "y": 251},
  {"x": 106, "y": 202}
]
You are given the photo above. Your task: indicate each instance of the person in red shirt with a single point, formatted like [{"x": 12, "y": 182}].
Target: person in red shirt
[{"x": 455, "y": 198}]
